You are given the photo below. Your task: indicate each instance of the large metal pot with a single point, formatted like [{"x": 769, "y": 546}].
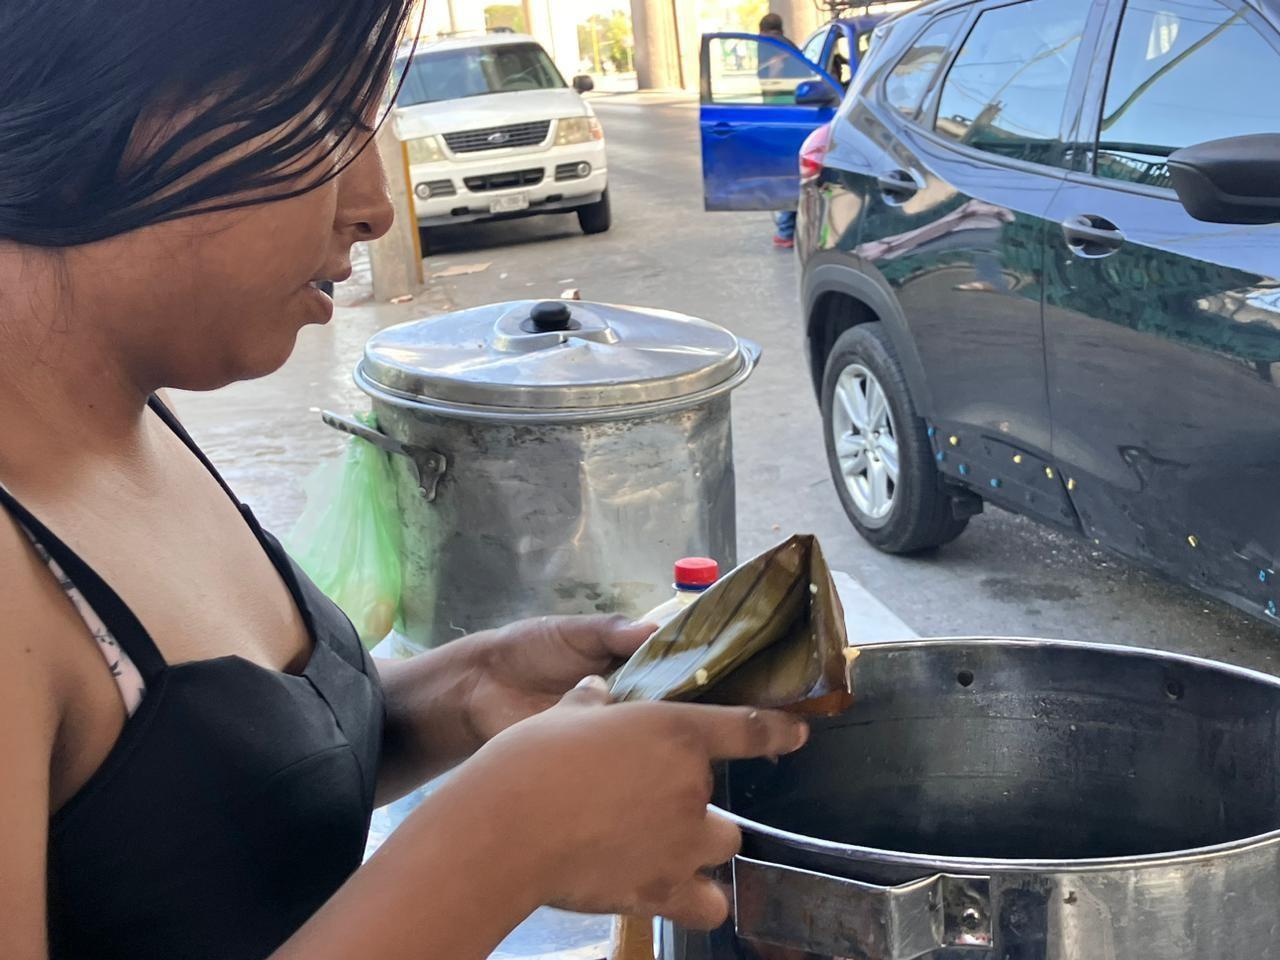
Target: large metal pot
[
  {"x": 555, "y": 457},
  {"x": 1019, "y": 800}
]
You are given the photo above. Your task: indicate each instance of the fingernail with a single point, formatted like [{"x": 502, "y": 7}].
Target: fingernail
[
  {"x": 594, "y": 683},
  {"x": 802, "y": 735}
]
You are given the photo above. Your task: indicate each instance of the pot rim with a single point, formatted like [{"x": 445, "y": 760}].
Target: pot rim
[
  {"x": 751, "y": 354},
  {"x": 985, "y": 865}
]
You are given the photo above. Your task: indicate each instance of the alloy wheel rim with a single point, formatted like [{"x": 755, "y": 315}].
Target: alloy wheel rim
[{"x": 866, "y": 443}]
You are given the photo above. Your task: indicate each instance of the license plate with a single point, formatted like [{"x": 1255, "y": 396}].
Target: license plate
[{"x": 517, "y": 201}]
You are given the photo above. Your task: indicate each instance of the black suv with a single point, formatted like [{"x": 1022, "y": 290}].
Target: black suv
[{"x": 1006, "y": 300}]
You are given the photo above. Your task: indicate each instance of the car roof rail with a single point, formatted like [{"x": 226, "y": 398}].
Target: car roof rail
[{"x": 502, "y": 31}]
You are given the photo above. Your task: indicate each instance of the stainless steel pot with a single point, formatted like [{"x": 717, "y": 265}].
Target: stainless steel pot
[
  {"x": 553, "y": 457},
  {"x": 1020, "y": 800}
]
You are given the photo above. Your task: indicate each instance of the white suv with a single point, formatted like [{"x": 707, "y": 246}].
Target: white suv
[{"x": 494, "y": 131}]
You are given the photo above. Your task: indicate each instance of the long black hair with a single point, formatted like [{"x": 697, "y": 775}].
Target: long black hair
[{"x": 116, "y": 115}]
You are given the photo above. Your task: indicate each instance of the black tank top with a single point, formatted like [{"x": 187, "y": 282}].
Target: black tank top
[{"x": 237, "y": 799}]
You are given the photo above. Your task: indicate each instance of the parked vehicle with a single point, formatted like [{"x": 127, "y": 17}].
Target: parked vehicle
[
  {"x": 494, "y": 131},
  {"x": 1006, "y": 301},
  {"x": 749, "y": 155},
  {"x": 840, "y": 45}
]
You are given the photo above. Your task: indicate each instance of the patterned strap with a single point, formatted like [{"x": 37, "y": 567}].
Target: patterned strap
[
  {"x": 136, "y": 660},
  {"x": 124, "y": 643},
  {"x": 127, "y": 676}
]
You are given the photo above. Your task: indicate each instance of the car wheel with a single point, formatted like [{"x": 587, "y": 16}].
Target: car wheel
[
  {"x": 596, "y": 217},
  {"x": 878, "y": 448}
]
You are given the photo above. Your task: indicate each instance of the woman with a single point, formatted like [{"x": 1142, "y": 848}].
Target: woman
[{"x": 193, "y": 739}]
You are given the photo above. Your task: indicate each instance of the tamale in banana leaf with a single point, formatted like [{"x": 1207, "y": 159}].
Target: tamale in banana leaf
[{"x": 769, "y": 634}]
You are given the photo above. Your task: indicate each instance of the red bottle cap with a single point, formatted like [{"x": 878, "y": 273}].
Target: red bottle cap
[{"x": 696, "y": 572}]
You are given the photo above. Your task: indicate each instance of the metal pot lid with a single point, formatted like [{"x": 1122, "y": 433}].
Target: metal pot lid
[{"x": 552, "y": 355}]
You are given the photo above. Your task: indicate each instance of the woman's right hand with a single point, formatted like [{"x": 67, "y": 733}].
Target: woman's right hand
[{"x": 608, "y": 802}]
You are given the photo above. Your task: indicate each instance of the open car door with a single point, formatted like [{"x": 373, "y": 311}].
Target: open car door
[{"x": 760, "y": 99}]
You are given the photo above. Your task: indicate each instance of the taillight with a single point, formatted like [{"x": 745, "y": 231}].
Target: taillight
[{"x": 813, "y": 152}]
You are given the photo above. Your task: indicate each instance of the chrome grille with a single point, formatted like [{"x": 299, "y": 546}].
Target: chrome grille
[{"x": 498, "y": 138}]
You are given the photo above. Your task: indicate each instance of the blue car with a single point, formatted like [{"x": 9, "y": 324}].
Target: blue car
[{"x": 761, "y": 97}]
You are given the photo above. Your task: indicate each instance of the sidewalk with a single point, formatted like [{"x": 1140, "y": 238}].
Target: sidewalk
[{"x": 647, "y": 98}]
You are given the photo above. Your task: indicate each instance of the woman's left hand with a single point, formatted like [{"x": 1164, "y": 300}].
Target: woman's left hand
[
  {"x": 528, "y": 666},
  {"x": 447, "y": 703}
]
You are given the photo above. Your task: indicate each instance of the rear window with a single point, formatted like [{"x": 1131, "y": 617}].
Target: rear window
[
  {"x": 907, "y": 82},
  {"x": 1007, "y": 88},
  {"x": 476, "y": 71}
]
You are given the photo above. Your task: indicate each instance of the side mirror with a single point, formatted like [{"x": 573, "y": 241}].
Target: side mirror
[
  {"x": 816, "y": 93},
  {"x": 1236, "y": 180},
  {"x": 583, "y": 83}
]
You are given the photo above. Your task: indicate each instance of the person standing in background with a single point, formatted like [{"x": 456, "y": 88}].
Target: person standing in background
[{"x": 771, "y": 25}]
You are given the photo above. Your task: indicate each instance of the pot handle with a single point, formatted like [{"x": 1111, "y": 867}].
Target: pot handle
[
  {"x": 831, "y": 916},
  {"x": 426, "y": 466}
]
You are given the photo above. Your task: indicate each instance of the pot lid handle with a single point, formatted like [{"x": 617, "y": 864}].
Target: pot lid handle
[{"x": 551, "y": 316}]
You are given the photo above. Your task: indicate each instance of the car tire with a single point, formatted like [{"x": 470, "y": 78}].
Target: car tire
[
  {"x": 596, "y": 217},
  {"x": 903, "y": 511}
]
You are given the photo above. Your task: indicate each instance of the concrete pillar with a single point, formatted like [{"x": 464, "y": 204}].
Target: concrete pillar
[
  {"x": 396, "y": 259},
  {"x": 658, "y": 53},
  {"x": 553, "y": 24},
  {"x": 452, "y": 16},
  {"x": 799, "y": 18},
  {"x": 689, "y": 26}
]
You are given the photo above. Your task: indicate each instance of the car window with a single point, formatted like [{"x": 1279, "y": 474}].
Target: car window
[
  {"x": 433, "y": 76},
  {"x": 1183, "y": 72},
  {"x": 812, "y": 48},
  {"x": 755, "y": 71},
  {"x": 907, "y": 82},
  {"x": 1006, "y": 90},
  {"x": 840, "y": 66}
]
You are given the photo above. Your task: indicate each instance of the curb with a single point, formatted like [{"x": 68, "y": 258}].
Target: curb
[{"x": 866, "y": 618}]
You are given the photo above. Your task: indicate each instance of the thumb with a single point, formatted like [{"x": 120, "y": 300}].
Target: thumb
[{"x": 590, "y": 692}]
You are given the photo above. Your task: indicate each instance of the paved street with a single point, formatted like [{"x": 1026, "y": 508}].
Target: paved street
[{"x": 1004, "y": 576}]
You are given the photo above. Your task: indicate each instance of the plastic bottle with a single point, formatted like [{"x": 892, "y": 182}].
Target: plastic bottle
[
  {"x": 693, "y": 575},
  {"x": 633, "y": 937}
]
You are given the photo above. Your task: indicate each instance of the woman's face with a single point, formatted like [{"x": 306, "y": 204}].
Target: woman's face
[{"x": 211, "y": 299}]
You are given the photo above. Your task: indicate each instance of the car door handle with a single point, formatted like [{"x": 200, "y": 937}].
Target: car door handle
[
  {"x": 1092, "y": 237},
  {"x": 898, "y": 184},
  {"x": 722, "y": 129}
]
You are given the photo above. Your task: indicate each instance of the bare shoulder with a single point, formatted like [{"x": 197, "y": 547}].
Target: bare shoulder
[
  {"x": 32, "y": 619},
  {"x": 35, "y": 619}
]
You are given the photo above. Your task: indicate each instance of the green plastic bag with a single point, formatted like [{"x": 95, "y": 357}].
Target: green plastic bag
[{"x": 348, "y": 539}]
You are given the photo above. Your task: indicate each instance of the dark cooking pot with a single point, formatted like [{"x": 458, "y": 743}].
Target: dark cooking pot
[{"x": 1020, "y": 800}]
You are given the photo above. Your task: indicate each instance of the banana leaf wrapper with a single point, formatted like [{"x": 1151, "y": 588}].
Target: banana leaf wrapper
[{"x": 769, "y": 634}]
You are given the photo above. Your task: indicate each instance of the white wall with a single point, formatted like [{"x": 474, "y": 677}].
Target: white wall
[{"x": 453, "y": 16}]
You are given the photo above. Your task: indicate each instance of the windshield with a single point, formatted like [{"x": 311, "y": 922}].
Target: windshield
[{"x": 476, "y": 71}]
